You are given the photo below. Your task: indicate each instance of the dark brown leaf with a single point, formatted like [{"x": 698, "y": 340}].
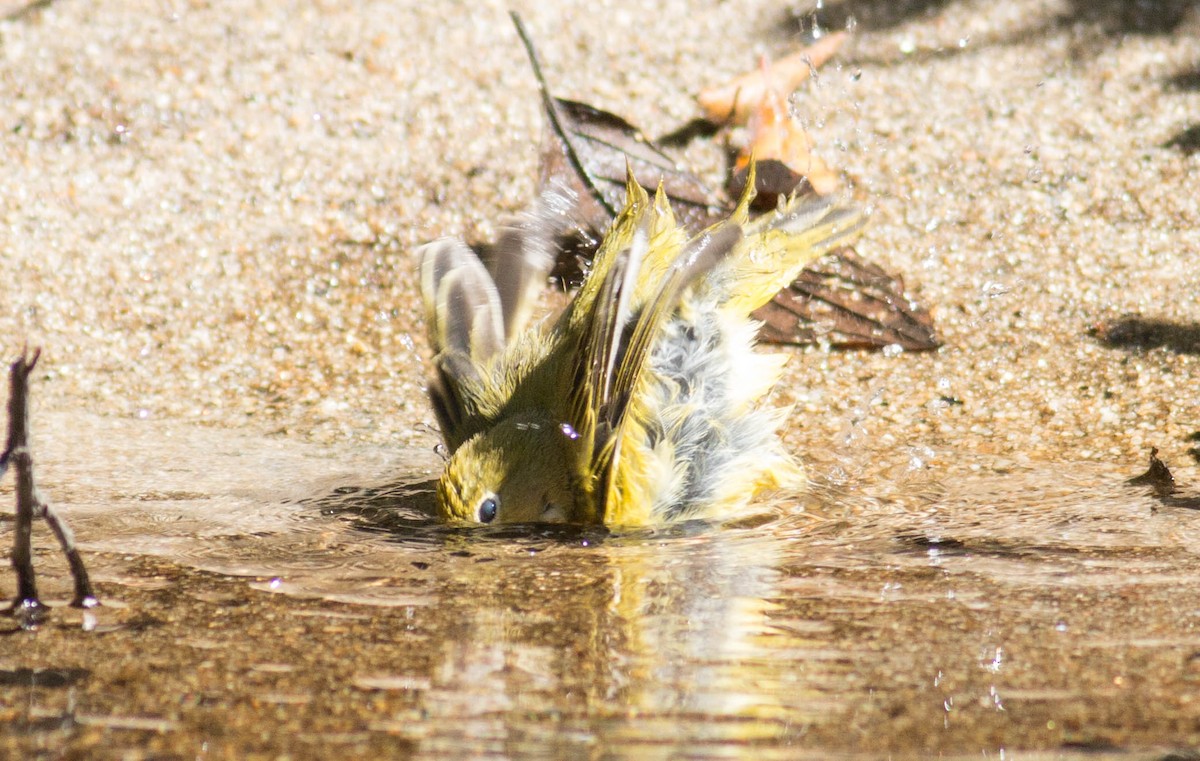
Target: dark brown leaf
[
  {"x": 772, "y": 178},
  {"x": 588, "y": 150},
  {"x": 585, "y": 156},
  {"x": 842, "y": 300}
]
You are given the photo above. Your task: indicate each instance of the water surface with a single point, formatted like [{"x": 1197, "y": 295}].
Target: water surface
[{"x": 1037, "y": 606}]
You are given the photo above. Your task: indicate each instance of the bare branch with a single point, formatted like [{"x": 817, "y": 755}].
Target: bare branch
[{"x": 27, "y": 605}]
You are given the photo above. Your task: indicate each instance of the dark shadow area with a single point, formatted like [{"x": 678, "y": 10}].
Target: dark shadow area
[
  {"x": 26, "y": 10},
  {"x": 1113, "y": 17},
  {"x": 1186, "y": 81},
  {"x": 1182, "y": 503},
  {"x": 1134, "y": 332},
  {"x": 1187, "y": 141},
  {"x": 867, "y": 14},
  {"x": 1119, "y": 17},
  {"x": 1099, "y": 23}
]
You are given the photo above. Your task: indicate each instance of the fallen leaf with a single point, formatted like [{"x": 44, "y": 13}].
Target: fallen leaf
[
  {"x": 584, "y": 159},
  {"x": 736, "y": 100},
  {"x": 842, "y": 300},
  {"x": 587, "y": 150},
  {"x": 776, "y": 135}
]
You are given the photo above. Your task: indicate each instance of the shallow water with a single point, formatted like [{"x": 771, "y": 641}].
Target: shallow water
[
  {"x": 208, "y": 210},
  {"x": 1033, "y": 608}
]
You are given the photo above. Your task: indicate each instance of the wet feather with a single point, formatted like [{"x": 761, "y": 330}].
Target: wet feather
[{"x": 642, "y": 403}]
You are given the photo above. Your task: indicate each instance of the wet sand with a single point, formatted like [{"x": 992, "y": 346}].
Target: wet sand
[{"x": 208, "y": 217}]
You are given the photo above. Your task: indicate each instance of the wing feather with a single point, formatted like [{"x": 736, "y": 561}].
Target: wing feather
[{"x": 466, "y": 329}]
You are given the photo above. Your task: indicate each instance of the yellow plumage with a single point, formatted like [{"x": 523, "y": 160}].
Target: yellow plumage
[{"x": 641, "y": 404}]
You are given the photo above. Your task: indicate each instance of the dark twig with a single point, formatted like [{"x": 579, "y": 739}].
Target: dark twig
[
  {"x": 1158, "y": 477},
  {"x": 29, "y": 502},
  {"x": 555, "y": 117}
]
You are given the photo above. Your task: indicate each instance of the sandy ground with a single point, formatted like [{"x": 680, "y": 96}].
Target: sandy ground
[{"x": 207, "y": 209}]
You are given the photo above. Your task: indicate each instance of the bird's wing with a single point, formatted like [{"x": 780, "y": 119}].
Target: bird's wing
[
  {"x": 696, "y": 260},
  {"x": 595, "y": 323},
  {"x": 466, "y": 328},
  {"x": 777, "y": 246},
  {"x": 619, "y": 312},
  {"x": 521, "y": 259}
]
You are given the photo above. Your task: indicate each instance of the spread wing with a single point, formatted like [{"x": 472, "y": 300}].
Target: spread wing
[
  {"x": 466, "y": 328},
  {"x": 779, "y": 245},
  {"x": 622, "y": 308},
  {"x": 475, "y": 308},
  {"x": 598, "y": 318},
  {"x": 522, "y": 257}
]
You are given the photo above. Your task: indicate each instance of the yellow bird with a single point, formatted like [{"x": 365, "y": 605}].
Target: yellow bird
[{"x": 641, "y": 404}]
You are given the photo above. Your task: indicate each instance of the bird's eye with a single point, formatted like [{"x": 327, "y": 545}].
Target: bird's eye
[{"x": 488, "y": 508}]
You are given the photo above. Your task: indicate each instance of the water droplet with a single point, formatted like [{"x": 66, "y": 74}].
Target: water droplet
[
  {"x": 991, "y": 289},
  {"x": 569, "y": 431},
  {"x": 918, "y": 459}
]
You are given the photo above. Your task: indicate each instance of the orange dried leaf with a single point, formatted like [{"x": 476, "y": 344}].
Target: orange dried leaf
[
  {"x": 774, "y": 134},
  {"x": 734, "y": 101}
]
